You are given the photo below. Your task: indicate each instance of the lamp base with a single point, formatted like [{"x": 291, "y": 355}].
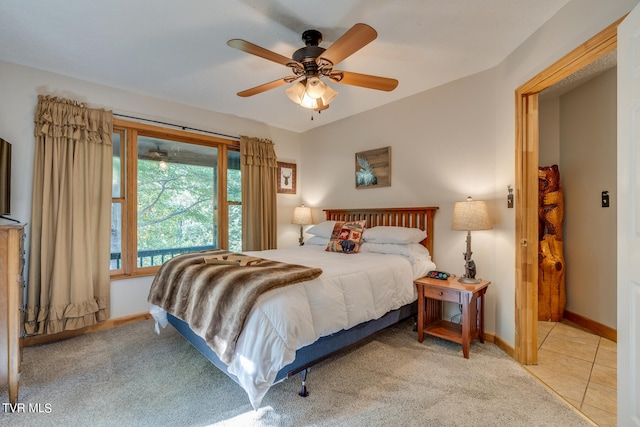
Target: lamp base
[{"x": 469, "y": 280}]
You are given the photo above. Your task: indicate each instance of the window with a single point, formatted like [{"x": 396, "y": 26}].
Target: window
[
  {"x": 185, "y": 196},
  {"x": 234, "y": 201}
]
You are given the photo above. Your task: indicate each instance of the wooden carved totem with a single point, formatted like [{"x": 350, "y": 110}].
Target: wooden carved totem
[{"x": 551, "y": 267}]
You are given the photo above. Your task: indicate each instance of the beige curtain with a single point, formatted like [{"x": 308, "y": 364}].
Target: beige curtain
[
  {"x": 259, "y": 170},
  {"x": 69, "y": 278}
]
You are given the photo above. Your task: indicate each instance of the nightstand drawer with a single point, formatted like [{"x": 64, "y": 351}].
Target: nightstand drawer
[{"x": 442, "y": 294}]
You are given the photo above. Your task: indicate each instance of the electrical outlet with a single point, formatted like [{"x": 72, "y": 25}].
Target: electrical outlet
[{"x": 605, "y": 199}]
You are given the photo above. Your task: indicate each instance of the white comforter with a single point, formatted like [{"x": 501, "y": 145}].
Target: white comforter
[{"x": 352, "y": 289}]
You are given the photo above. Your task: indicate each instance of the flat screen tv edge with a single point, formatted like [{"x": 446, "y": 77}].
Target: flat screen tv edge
[{"x": 5, "y": 180}]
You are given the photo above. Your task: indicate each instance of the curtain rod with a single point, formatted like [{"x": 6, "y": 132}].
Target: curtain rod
[{"x": 177, "y": 126}]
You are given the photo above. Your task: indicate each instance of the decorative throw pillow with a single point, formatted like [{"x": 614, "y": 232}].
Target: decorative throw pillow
[{"x": 346, "y": 237}]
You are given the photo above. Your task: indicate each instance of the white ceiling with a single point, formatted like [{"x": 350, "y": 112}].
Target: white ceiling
[{"x": 176, "y": 50}]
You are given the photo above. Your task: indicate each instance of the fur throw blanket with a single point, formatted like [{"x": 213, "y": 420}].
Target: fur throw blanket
[{"x": 214, "y": 293}]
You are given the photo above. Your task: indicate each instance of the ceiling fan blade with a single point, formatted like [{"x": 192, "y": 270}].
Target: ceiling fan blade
[
  {"x": 353, "y": 40},
  {"x": 253, "y": 49},
  {"x": 267, "y": 86},
  {"x": 363, "y": 80}
]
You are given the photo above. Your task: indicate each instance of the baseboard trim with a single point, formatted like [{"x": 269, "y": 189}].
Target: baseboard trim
[
  {"x": 119, "y": 321},
  {"x": 590, "y": 325},
  {"x": 107, "y": 324},
  {"x": 501, "y": 344}
]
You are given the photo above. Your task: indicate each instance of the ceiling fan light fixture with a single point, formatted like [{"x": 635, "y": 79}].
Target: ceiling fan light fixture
[
  {"x": 321, "y": 103},
  {"x": 309, "y": 102},
  {"x": 295, "y": 92},
  {"x": 329, "y": 95},
  {"x": 299, "y": 93},
  {"x": 315, "y": 87}
]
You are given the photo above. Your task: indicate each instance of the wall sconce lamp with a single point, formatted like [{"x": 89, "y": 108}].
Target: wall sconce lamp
[
  {"x": 302, "y": 216},
  {"x": 470, "y": 216}
]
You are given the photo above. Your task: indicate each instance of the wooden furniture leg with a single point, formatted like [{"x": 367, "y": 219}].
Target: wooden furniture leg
[
  {"x": 420, "y": 314},
  {"x": 480, "y": 307},
  {"x": 466, "y": 325}
]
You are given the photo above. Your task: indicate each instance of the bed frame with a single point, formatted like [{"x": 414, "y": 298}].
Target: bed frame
[
  {"x": 421, "y": 218},
  {"x": 331, "y": 345}
]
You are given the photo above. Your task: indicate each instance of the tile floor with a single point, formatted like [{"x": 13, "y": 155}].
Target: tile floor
[{"x": 581, "y": 367}]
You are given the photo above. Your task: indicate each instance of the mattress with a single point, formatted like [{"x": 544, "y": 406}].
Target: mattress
[{"x": 353, "y": 288}]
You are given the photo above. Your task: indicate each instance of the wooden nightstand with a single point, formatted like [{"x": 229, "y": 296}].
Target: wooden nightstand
[{"x": 431, "y": 294}]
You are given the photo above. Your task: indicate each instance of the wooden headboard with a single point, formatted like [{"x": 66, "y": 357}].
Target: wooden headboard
[{"x": 421, "y": 218}]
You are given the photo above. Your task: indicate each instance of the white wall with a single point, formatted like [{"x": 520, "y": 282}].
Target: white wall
[
  {"x": 578, "y": 133},
  {"x": 439, "y": 155},
  {"x": 20, "y": 87},
  {"x": 588, "y": 123},
  {"x": 574, "y": 24},
  {"x": 450, "y": 142},
  {"x": 549, "y": 127}
]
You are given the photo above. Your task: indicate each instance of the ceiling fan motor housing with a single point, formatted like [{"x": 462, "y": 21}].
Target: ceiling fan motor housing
[
  {"x": 312, "y": 37},
  {"x": 307, "y": 55}
]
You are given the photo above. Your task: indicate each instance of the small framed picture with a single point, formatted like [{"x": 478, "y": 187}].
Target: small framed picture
[
  {"x": 286, "y": 178},
  {"x": 373, "y": 168}
]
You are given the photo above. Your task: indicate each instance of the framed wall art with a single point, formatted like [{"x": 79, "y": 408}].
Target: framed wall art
[
  {"x": 373, "y": 168},
  {"x": 286, "y": 178}
]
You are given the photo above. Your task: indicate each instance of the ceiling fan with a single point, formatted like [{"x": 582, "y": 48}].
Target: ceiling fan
[
  {"x": 158, "y": 155},
  {"x": 312, "y": 63}
]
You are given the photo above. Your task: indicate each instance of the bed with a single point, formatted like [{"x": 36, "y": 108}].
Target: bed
[{"x": 274, "y": 346}]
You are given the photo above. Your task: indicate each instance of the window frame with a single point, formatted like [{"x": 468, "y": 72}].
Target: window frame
[
  {"x": 121, "y": 200},
  {"x": 129, "y": 132}
]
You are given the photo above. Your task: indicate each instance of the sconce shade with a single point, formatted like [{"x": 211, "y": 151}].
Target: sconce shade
[
  {"x": 302, "y": 216},
  {"x": 471, "y": 215}
]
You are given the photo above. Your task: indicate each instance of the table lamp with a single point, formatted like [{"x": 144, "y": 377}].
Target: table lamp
[
  {"x": 469, "y": 216},
  {"x": 302, "y": 216}
]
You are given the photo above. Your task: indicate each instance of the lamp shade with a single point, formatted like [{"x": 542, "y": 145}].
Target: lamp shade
[
  {"x": 302, "y": 216},
  {"x": 471, "y": 215}
]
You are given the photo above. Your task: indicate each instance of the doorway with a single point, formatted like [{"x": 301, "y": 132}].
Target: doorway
[{"x": 526, "y": 292}]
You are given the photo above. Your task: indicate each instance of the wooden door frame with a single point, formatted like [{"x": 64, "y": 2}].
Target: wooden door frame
[{"x": 526, "y": 185}]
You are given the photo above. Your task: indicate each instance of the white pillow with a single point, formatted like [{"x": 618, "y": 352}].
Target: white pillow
[
  {"x": 316, "y": 240},
  {"x": 391, "y": 234},
  {"x": 323, "y": 229},
  {"x": 413, "y": 251}
]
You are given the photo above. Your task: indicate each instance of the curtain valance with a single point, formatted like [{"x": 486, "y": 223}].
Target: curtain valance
[
  {"x": 57, "y": 117},
  {"x": 257, "y": 152}
]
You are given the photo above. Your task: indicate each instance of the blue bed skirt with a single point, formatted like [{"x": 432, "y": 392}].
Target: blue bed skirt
[{"x": 307, "y": 356}]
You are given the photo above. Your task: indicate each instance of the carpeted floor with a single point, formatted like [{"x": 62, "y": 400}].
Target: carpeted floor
[{"x": 129, "y": 376}]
